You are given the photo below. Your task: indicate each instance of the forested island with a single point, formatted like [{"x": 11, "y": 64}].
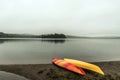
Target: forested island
[
  {"x": 53, "y": 36},
  {"x": 7, "y": 35}
]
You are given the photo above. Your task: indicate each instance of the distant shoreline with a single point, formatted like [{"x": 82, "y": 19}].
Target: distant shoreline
[
  {"x": 8, "y": 35},
  {"x": 65, "y": 38},
  {"x": 52, "y": 72},
  {"x": 55, "y": 35}
]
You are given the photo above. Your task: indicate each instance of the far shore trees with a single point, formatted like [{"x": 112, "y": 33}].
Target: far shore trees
[
  {"x": 6, "y": 35},
  {"x": 53, "y": 36}
]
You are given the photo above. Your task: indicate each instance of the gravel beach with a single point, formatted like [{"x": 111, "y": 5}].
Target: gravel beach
[{"x": 53, "y": 72}]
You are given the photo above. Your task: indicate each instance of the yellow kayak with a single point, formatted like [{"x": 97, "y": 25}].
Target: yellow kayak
[{"x": 85, "y": 65}]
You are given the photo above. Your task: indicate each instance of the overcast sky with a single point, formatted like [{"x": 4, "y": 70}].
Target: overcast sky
[{"x": 74, "y": 17}]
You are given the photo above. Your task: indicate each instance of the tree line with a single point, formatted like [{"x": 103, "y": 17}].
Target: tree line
[
  {"x": 53, "y": 36},
  {"x": 6, "y": 35}
]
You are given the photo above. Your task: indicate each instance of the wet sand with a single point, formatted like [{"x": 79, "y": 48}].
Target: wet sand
[{"x": 52, "y": 72}]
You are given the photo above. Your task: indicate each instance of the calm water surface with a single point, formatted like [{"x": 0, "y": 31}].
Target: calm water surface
[
  {"x": 37, "y": 51},
  {"x": 10, "y": 76}
]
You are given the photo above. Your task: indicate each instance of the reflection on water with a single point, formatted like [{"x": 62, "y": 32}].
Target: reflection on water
[{"x": 54, "y": 41}]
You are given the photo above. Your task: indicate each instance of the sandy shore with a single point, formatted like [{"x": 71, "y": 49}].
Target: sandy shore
[{"x": 52, "y": 72}]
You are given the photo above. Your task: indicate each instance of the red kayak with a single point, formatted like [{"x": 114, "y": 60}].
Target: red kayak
[{"x": 68, "y": 66}]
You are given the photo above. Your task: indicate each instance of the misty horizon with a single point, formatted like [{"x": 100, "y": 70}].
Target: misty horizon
[
  {"x": 79, "y": 17},
  {"x": 67, "y": 35}
]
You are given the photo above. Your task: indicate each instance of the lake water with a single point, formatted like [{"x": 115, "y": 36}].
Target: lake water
[
  {"x": 10, "y": 76},
  {"x": 37, "y": 51}
]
